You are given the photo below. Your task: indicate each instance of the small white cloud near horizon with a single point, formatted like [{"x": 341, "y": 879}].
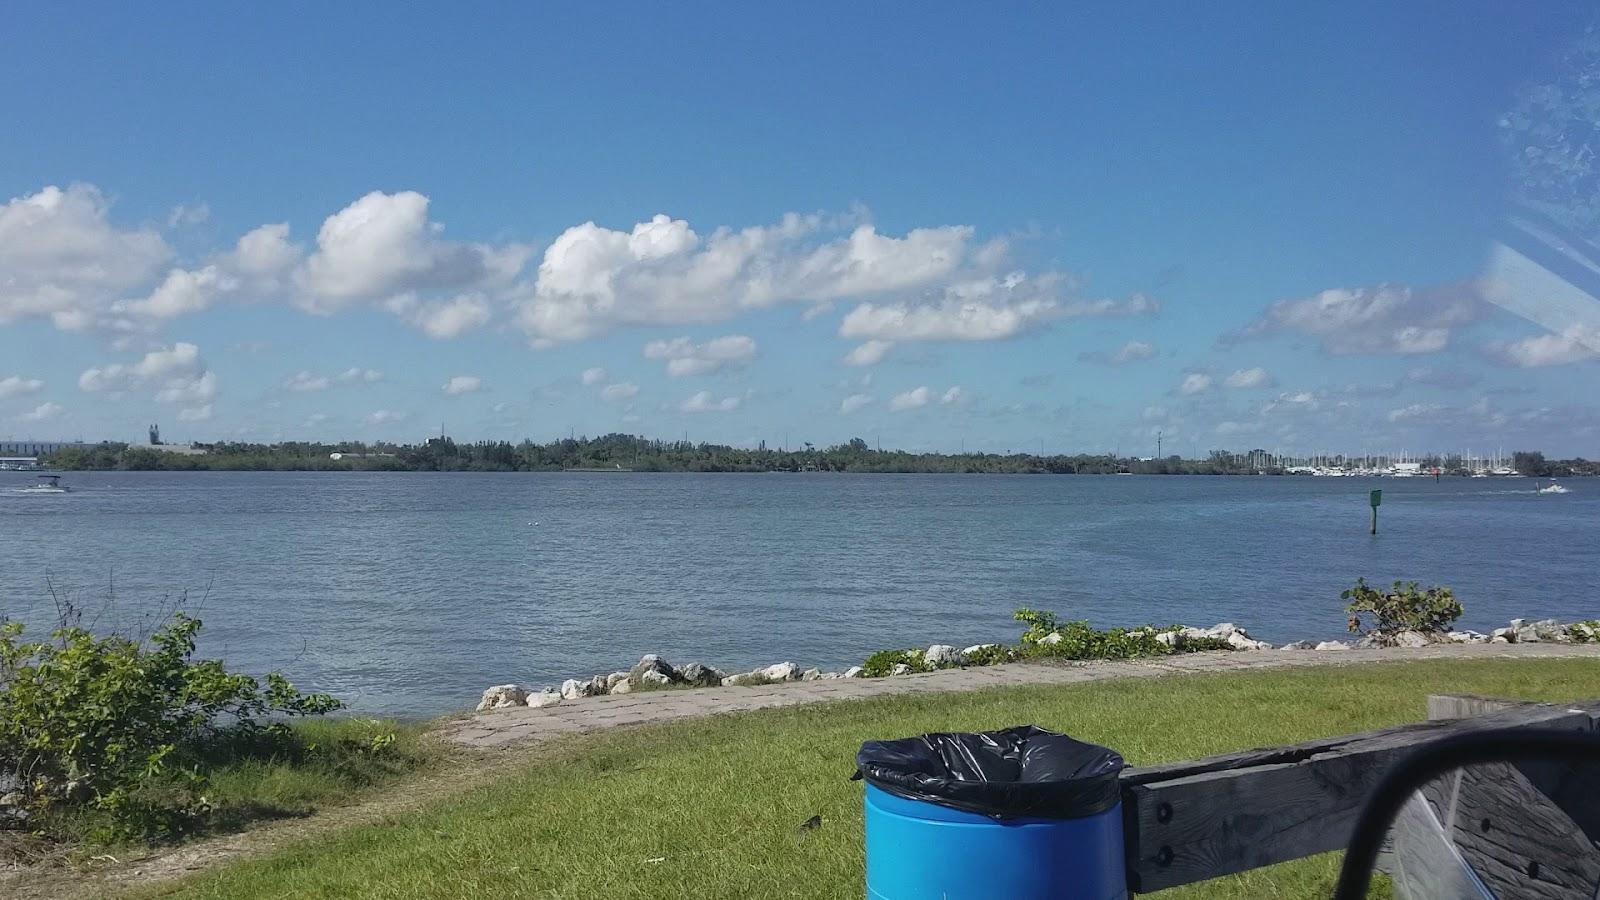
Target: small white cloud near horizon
[
  {"x": 304, "y": 382},
  {"x": 869, "y": 353},
  {"x": 622, "y": 390},
  {"x": 912, "y": 399},
  {"x": 703, "y": 402},
  {"x": 592, "y": 375},
  {"x": 17, "y": 386},
  {"x": 853, "y": 403},
  {"x": 386, "y": 417},
  {"x": 46, "y": 410},
  {"x": 685, "y": 358},
  {"x": 355, "y": 373},
  {"x": 1195, "y": 383},
  {"x": 1245, "y": 379},
  {"x": 953, "y": 396},
  {"x": 462, "y": 384},
  {"x": 1131, "y": 352}
]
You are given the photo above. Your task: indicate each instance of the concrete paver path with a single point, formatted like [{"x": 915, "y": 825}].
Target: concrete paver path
[{"x": 524, "y": 725}]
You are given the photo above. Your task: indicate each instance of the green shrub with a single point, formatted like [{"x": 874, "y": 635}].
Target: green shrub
[
  {"x": 1584, "y": 632},
  {"x": 1406, "y": 607},
  {"x": 990, "y": 655},
  {"x": 883, "y": 662},
  {"x": 119, "y": 729},
  {"x": 1080, "y": 640}
]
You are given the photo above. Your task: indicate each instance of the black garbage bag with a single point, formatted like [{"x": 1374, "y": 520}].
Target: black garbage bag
[{"x": 1022, "y": 772}]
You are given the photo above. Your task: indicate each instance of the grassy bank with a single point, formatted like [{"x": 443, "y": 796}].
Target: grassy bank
[{"x": 713, "y": 807}]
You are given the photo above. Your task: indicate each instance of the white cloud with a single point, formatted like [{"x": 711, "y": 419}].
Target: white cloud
[
  {"x": 703, "y": 402},
  {"x": 1571, "y": 346},
  {"x": 912, "y": 399},
  {"x": 441, "y": 319},
  {"x": 593, "y": 376},
  {"x": 181, "y": 293},
  {"x": 1195, "y": 383},
  {"x": 853, "y": 403},
  {"x": 265, "y": 252},
  {"x": 16, "y": 386},
  {"x": 982, "y": 309},
  {"x": 195, "y": 413},
  {"x": 1132, "y": 351},
  {"x": 355, "y": 373},
  {"x": 1415, "y": 412},
  {"x": 622, "y": 390},
  {"x": 462, "y": 384},
  {"x": 186, "y": 214},
  {"x": 1249, "y": 378},
  {"x": 177, "y": 374},
  {"x": 305, "y": 382},
  {"x": 42, "y": 412},
  {"x": 684, "y": 357},
  {"x": 386, "y": 417},
  {"x": 1387, "y": 319},
  {"x": 869, "y": 353},
  {"x": 953, "y": 396},
  {"x": 61, "y": 259}
]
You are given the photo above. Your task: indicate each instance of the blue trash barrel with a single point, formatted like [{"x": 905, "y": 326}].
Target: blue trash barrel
[{"x": 923, "y": 846}]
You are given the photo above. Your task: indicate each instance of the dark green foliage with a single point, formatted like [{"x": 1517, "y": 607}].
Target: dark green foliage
[
  {"x": 883, "y": 662},
  {"x": 122, "y": 731},
  {"x": 1406, "y": 607},
  {"x": 991, "y": 655}
]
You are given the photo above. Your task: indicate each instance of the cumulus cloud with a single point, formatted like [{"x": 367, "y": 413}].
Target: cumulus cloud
[
  {"x": 177, "y": 374},
  {"x": 462, "y": 384},
  {"x": 853, "y": 403},
  {"x": 869, "y": 353},
  {"x": 305, "y": 382},
  {"x": 622, "y": 390},
  {"x": 442, "y": 319},
  {"x": 188, "y": 214},
  {"x": 16, "y": 386},
  {"x": 593, "y": 376},
  {"x": 1573, "y": 345},
  {"x": 1249, "y": 378},
  {"x": 1386, "y": 319},
  {"x": 63, "y": 261},
  {"x": 42, "y": 412},
  {"x": 386, "y": 417},
  {"x": 355, "y": 374},
  {"x": 953, "y": 396},
  {"x": 1415, "y": 412},
  {"x": 912, "y": 399},
  {"x": 703, "y": 402},
  {"x": 1195, "y": 383},
  {"x": 684, "y": 357},
  {"x": 1131, "y": 352},
  {"x": 984, "y": 309},
  {"x": 593, "y": 279}
]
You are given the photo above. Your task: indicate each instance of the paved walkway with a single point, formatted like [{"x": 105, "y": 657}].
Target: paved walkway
[{"x": 522, "y": 725}]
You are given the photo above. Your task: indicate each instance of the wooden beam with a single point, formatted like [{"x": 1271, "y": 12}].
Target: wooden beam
[{"x": 1196, "y": 820}]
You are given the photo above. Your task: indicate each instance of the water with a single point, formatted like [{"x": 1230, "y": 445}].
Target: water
[{"x": 409, "y": 593}]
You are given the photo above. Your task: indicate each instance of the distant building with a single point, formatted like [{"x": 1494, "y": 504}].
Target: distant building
[{"x": 36, "y": 448}]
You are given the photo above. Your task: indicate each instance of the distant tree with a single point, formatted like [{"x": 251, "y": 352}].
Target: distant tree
[{"x": 1530, "y": 463}]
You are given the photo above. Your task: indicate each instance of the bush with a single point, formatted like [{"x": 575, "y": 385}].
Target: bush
[
  {"x": 121, "y": 728},
  {"x": 990, "y": 655},
  {"x": 1406, "y": 607},
  {"x": 883, "y": 662}
]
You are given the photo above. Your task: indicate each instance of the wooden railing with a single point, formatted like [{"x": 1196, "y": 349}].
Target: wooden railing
[{"x": 1201, "y": 819}]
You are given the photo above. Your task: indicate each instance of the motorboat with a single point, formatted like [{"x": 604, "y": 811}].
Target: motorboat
[
  {"x": 1553, "y": 488},
  {"x": 47, "y": 484}
]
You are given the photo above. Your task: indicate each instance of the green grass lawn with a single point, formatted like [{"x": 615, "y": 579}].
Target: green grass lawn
[{"x": 713, "y": 808}]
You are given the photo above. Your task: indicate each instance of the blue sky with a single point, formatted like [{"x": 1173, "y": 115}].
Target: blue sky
[{"x": 1007, "y": 227}]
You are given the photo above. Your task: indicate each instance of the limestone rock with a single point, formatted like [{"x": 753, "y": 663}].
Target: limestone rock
[
  {"x": 625, "y": 686},
  {"x": 1551, "y": 630},
  {"x": 1226, "y": 631},
  {"x": 614, "y": 679},
  {"x": 1503, "y": 636},
  {"x": 546, "y": 697},
  {"x": 1466, "y": 637},
  {"x": 943, "y": 656},
  {"x": 701, "y": 675},
  {"x": 1299, "y": 645},
  {"x": 903, "y": 669},
  {"x": 1173, "y": 639},
  {"x": 573, "y": 689},
  {"x": 598, "y": 686},
  {"x": 1239, "y": 640},
  {"x": 811, "y": 675},
  {"x": 854, "y": 672},
  {"x": 1333, "y": 645},
  {"x": 744, "y": 678},
  {"x": 502, "y": 696},
  {"x": 784, "y": 671},
  {"x": 1411, "y": 639},
  {"x": 1051, "y": 639},
  {"x": 655, "y": 678},
  {"x": 652, "y": 663},
  {"x": 976, "y": 648},
  {"x": 829, "y": 676}
]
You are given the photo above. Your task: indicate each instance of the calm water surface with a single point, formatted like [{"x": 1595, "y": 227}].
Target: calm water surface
[{"x": 409, "y": 593}]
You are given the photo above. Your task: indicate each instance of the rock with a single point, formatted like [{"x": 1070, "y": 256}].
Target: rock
[
  {"x": 1585, "y": 630},
  {"x": 1551, "y": 630},
  {"x": 854, "y": 672},
  {"x": 784, "y": 671},
  {"x": 701, "y": 675},
  {"x": 829, "y": 676},
  {"x": 943, "y": 656},
  {"x": 1173, "y": 639},
  {"x": 502, "y": 696},
  {"x": 655, "y": 678},
  {"x": 546, "y": 697},
  {"x": 1466, "y": 637},
  {"x": 1226, "y": 630},
  {"x": 1051, "y": 639},
  {"x": 743, "y": 679},
  {"x": 12, "y": 798},
  {"x": 1517, "y": 624},
  {"x": 614, "y": 679},
  {"x": 1411, "y": 639},
  {"x": 1239, "y": 640},
  {"x": 598, "y": 686},
  {"x": 1368, "y": 642},
  {"x": 1503, "y": 636},
  {"x": 976, "y": 648},
  {"x": 903, "y": 669},
  {"x": 652, "y": 663},
  {"x": 811, "y": 675},
  {"x": 625, "y": 686},
  {"x": 1499, "y": 639},
  {"x": 573, "y": 689},
  {"x": 1333, "y": 645},
  {"x": 1299, "y": 645},
  {"x": 1527, "y": 634}
]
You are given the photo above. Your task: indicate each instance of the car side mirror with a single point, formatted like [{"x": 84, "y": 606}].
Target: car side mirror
[{"x": 1497, "y": 814}]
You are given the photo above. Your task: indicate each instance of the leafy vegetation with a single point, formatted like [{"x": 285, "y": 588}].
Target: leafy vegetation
[
  {"x": 114, "y": 739},
  {"x": 1406, "y": 607},
  {"x": 883, "y": 662},
  {"x": 713, "y": 807}
]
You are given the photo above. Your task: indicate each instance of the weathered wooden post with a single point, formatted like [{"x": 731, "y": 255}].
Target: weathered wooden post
[{"x": 1377, "y": 499}]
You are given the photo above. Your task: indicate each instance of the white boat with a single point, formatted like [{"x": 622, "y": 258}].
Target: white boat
[
  {"x": 48, "y": 484},
  {"x": 1553, "y": 488}
]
